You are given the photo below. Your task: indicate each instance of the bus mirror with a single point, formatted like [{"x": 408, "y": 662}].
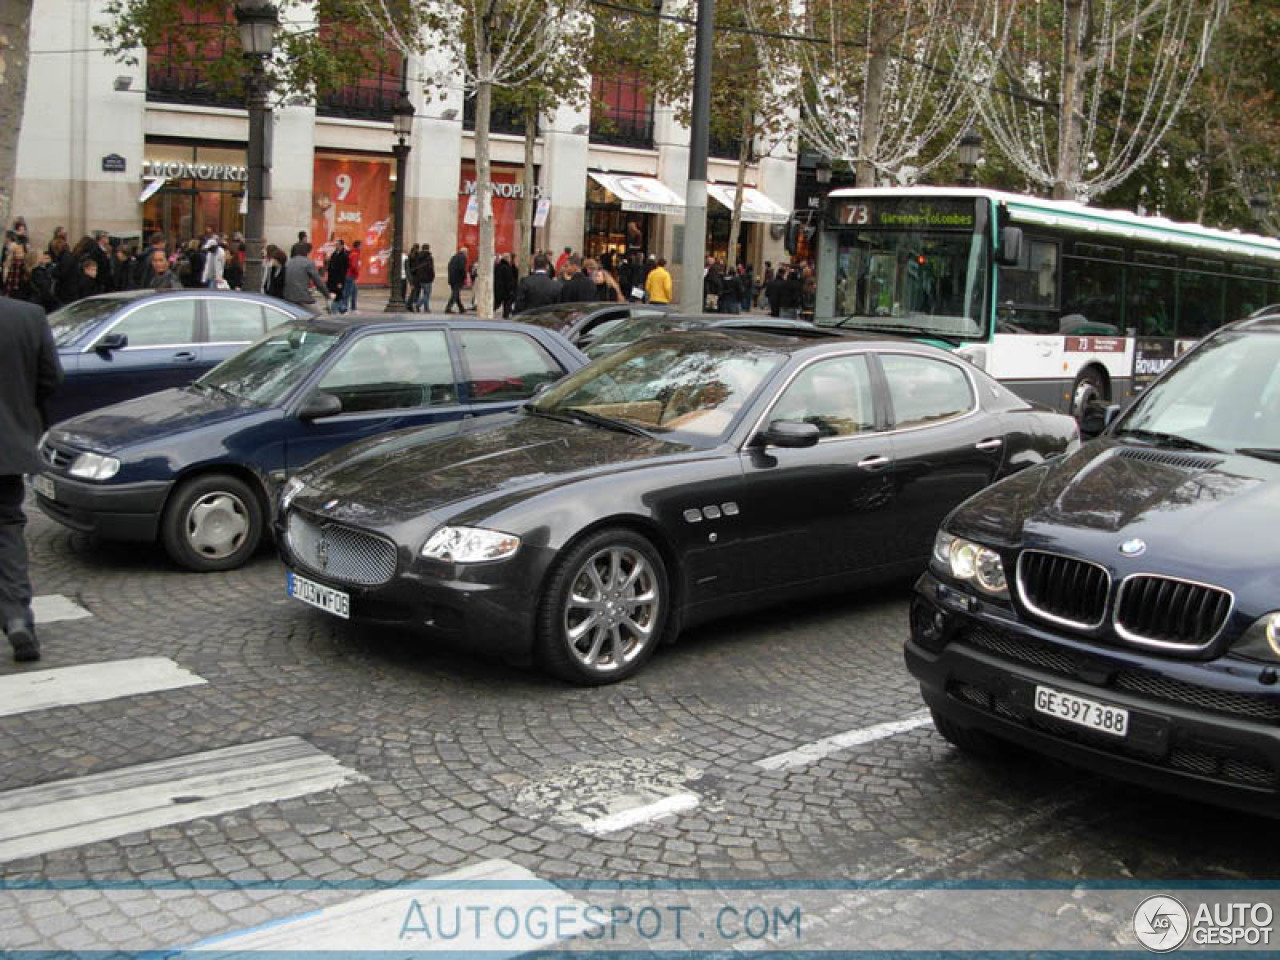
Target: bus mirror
[{"x": 1010, "y": 250}]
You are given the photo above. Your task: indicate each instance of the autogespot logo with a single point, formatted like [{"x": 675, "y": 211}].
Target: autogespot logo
[{"x": 1161, "y": 924}]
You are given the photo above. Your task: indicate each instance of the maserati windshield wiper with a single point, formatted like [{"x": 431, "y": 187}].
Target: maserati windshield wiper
[
  {"x": 1262, "y": 453},
  {"x": 1176, "y": 441},
  {"x": 856, "y": 323},
  {"x": 609, "y": 423}
]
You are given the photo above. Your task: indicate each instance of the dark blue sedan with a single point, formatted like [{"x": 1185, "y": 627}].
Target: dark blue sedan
[
  {"x": 196, "y": 467},
  {"x": 118, "y": 346}
]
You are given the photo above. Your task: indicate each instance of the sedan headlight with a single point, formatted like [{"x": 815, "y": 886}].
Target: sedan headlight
[
  {"x": 469, "y": 545},
  {"x": 93, "y": 466},
  {"x": 1262, "y": 640},
  {"x": 970, "y": 562},
  {"x": 293, "y": 486}
]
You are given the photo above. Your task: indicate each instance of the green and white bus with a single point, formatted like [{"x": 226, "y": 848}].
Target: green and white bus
[{"x": 1064, "y": 303}]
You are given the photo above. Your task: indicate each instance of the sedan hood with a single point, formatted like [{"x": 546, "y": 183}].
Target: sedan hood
[
  {"x": 413, "y": 472},
  {"x": 1208, "y": 507},
  {"x": 153, "y": 417}
]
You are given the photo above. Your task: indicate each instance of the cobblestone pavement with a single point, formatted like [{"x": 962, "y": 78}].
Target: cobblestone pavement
[{"x": 466, "y": 759}]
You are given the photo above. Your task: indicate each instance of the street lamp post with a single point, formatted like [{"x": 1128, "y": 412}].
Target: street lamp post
[
  {"x": 402, "y": 121},
  {"x": 258, "y": 22},
  {"x": 969, "y": 154},
  {"x": 1259, "y": 207}
]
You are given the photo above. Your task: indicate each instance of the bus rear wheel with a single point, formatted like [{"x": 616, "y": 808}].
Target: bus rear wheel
[{"x": 1089, "y": 389}]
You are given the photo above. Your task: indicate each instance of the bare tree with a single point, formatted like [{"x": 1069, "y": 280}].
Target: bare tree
[
  {"x": 1078, "y": 93},
  {"x": 15, "y": 35},
  {"x": 880, "y": 86},
  {"x": 490, "y": 44}
]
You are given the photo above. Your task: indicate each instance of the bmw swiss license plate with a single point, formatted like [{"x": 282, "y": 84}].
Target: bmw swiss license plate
[
  {"x": 1082, "y": 712},
  {"x": 44, "y": 486},
  {"x": 318, "y": 595}
]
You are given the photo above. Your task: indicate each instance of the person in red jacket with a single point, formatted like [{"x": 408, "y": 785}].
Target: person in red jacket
[{"x": 353, "y": 278}]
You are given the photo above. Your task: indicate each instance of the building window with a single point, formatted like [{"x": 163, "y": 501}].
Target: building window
[
  {"x": 372, "y": 97},
  {"x": 621, "y": 110},
  {"x": 178, "y": 66},
  {"x": 503, "y": 117}
]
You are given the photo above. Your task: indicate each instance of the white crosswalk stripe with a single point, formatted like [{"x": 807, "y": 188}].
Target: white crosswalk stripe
[
  {"x": 813, "y": 752},
  {"x": 91, "y": 683},
  {"x": 52, "y": 607},
  {"x": 71, "y": 813}
]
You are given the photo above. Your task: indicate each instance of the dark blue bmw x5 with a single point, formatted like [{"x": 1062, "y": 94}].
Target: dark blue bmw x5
[
  {"x": 1120, "y": 608},
  {"x": 197, "y": 466}
]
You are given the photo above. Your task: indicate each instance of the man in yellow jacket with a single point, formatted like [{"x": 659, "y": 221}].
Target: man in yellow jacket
[{"x": 658, "y": 284}]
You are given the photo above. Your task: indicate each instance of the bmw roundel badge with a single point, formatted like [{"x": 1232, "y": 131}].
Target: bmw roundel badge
[
  {"x": 334, "y": 502},
  {"x": 1133, "y": 548}
]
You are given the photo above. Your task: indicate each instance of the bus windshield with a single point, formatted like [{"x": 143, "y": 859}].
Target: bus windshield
[{"x": 919, "y": 268}]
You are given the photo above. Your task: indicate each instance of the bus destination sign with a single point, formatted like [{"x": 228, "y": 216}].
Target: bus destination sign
[{"x": 904, "y": 214}]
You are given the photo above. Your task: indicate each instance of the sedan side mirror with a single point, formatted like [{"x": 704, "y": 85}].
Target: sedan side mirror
[
  {"x": 790, "y": 433},
  {"x": 1097, "y": 418},
  {"x": 319, "y": 405},
  {"x": 112, "y": 341}
]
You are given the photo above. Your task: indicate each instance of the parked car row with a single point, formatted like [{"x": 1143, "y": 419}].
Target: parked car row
[{"x": 1112, "y": 604}]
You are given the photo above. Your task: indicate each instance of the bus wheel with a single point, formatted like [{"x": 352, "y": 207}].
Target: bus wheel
[{"x": 1089, "y": 389}]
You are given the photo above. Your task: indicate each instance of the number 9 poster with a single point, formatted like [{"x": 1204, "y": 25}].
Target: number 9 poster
[{"x": 351, "y": 200}]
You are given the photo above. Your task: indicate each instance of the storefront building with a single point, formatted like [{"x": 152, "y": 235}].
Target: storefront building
[{"x": 136, "y": 150}]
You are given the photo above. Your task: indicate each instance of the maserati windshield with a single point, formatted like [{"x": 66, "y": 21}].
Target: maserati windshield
[{"x": 690, "y": 387}]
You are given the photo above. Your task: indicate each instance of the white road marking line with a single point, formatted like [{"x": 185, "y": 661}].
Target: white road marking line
[
  {"x": 91, "y": 683},
  {"x": 476, "y": 908},
  {"x": 51, "y": 607},
  {"x": 71, "y": 813},
  {"x": 622, "y": 819},
  {"x": 812, "y": 752}
]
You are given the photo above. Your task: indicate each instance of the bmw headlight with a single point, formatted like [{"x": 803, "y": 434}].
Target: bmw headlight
[
  {"x": 293, "y": 486},
  {"x": 93, "y": 466},
  {"x": 970, "y": 562},
  {"x": 1262, "y": 640},
  {"x": 469, "y": 545}
]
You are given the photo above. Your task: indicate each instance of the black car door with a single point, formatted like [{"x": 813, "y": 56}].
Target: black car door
[
  {"x": 945, "y": 446},
  {"x": 161, "y": 351},
  {"x": 823, "y": 511}
]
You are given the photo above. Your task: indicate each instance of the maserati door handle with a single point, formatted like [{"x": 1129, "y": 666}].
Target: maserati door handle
[
  {"x": 872, "y": 464},
  {"x": 990, "y": 445}
]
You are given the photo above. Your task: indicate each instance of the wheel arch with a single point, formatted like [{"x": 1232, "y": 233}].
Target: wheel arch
[
  {"x": 1098, "y": 370},
  {"x": 250, "y": 477}
]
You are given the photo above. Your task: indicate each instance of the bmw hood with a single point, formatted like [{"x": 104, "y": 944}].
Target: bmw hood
[
  {"x": 1206, "y": 509},
  {"x": 409, "y": 473},
  {"x": 153, "y": 417}
]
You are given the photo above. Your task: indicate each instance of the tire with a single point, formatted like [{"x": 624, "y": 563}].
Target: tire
[
  {"x": 212, "y": 522},
  {"x": 1089, "y": 389},
  {"x": 624, "y": 606},
  {"x": 976, "y": 743}
]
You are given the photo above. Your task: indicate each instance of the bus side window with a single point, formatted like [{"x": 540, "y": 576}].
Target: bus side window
[
  {"x": 1031, "y": 287},
  {"x": 1151, "y": 291},
  {"x": 1092, "y": 289},
  {"x": 1200, "y": 307}
]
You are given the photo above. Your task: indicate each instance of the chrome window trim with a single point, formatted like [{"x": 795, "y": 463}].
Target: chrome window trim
[
  {"x": 1141, "y": 641},
  {"x": 975, "y": 402},
  {"x": 143, "y": 302},
  {"x": 1052, "y": 618}
]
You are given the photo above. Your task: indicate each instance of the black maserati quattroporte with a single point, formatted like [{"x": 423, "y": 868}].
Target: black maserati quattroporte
[
  {"x": 685, "y": 476},
  {"x": 1120, "y": 607}
]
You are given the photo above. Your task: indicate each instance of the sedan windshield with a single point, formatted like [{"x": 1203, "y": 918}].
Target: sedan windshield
[
  {"x": 628, "y": 331},
  {"x": 70, "y": 323},
  {"x": 1224, "y": 396},
  {"x": 688, "y": 387},
  {"x": 265, "y": 372}
]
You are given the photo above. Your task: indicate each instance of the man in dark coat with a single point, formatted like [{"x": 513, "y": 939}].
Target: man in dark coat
[
  {"x": 538, "y": 289},
  {"x": 505, "y": 279},
  {"x": 336, "y": 275},
  {"x": 457, "y": 278},
  {"x": 29, "y": 374},
  {"x": 579, "y": 288}
]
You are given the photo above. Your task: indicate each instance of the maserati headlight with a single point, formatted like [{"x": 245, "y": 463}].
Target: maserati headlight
[
  {"x": 293, "y": 486},
  {"x": 469, "y": 545},
  {"x": 92, "y": 466},
  {"x": 1262, "y": 640},
  {"x": 970, "y": 562}
]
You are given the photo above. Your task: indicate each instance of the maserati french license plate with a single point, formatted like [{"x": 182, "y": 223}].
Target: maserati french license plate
[
  {"x": 320, "y": 596},
  {"x": 1082, "y": 712}
]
